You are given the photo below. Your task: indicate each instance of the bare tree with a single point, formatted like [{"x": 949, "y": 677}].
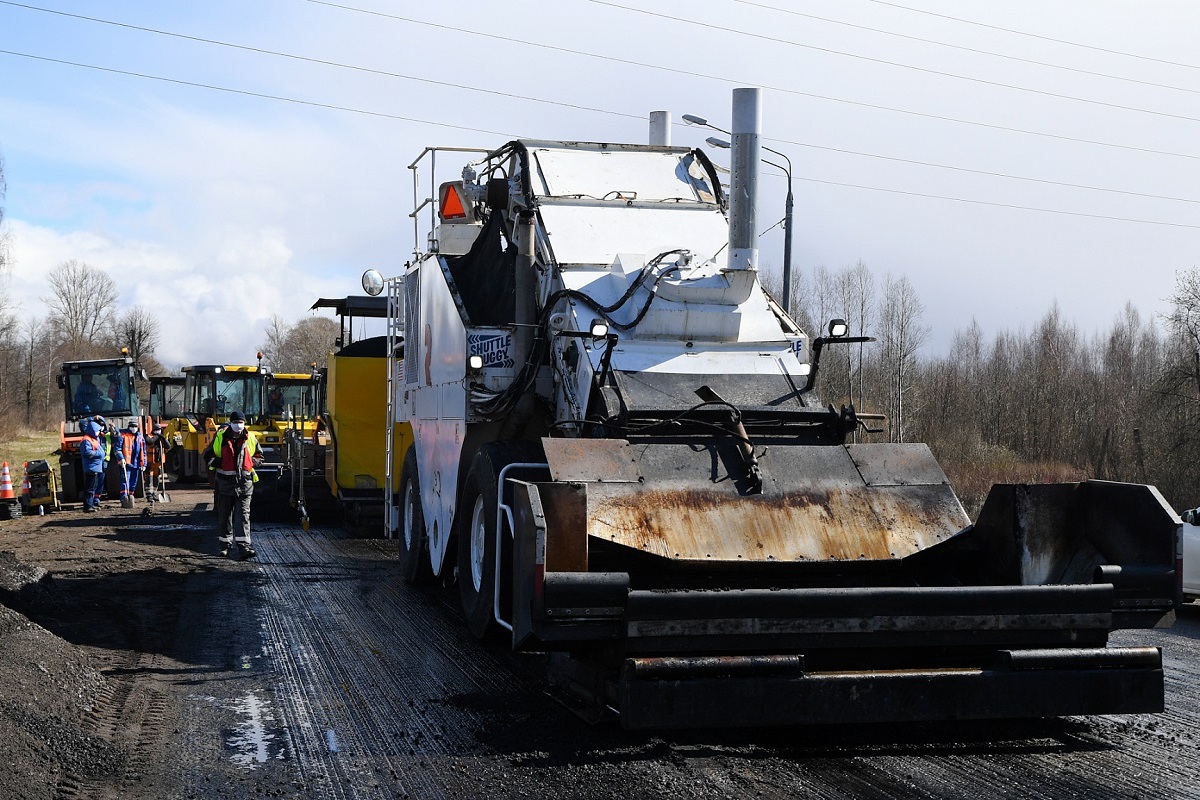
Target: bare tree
[
  {"x": 275, "y": 346},
  {"x": 903, "y": 335},
  {"x": 824, "y": 303},
  {"x": 820, "y": 303},
  {"x": 310, "y": 341},
  {"x": 855, "y": 288},
  {"x": 1184, "y": 316},
  {"x": 773, "y": 283},
  {"x": 1178, "y": 386},
  {"x": 139, "y": 330},
  {"x": 1183, "y": 320},
  {"x": 81, "y": 307},
  {"x": 33, "y": 334},
  {"x": 296, "y": 348},
  {"x": 952, "y": 418},
  {"x": 10, "y": 360}
]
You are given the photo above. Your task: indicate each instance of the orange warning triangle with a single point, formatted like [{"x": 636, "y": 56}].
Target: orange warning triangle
[{"x": 452, "y": 207}]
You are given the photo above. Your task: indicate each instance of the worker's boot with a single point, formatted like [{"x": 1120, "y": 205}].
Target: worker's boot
[{"x": 248, "y": 552}]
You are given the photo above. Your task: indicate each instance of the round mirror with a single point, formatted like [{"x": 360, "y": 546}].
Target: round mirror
[{"x": 372, "y": 282}]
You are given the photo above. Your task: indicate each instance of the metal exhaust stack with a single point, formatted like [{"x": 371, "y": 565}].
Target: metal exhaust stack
[
  {"x": 660, "y": 128},
  {"x": 743, "y": 182}
]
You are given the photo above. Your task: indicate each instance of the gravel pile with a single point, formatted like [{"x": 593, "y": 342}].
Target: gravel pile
[{"x": 48, "y": 698}]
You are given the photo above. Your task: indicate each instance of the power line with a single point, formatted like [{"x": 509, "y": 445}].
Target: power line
[
  {"x": 322, "y": 62},
  {"x": 261, "y": 95},
  {"x": 739, "y": 82},
  {"x": 385, "y": 115},
  {"x": 1000, "y": 205},
  {"x": 1037, "y": 36},
  {"x": 983, "y": 172},
  {"x": 885, "y": 62},
  {"x": 474, "y": 130},
  {"x": 264, "y": 51},
  {"x": 966, "y": 49}
]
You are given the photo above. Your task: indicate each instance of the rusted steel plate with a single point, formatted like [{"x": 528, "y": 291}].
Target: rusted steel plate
[
  {"x": 830, "y": 503},
  {"x": 591, "y": 460},
  {"x": 847, "y": 524},
  {"x": 565, "y": 507}
]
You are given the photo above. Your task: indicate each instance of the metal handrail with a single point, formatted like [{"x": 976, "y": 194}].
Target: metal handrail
[
  {"x": 502, "y": 506},
  {"x": 430, "y": 200}
]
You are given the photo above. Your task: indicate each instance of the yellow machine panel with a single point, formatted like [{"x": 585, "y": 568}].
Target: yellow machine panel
[{"x": 357, "y": 407}]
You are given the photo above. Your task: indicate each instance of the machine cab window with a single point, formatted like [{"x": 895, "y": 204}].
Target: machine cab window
[
  {"x": 218, "y": 391},
  {"x": 100, "y": 389},
  {"x": 292, "y": 396}
]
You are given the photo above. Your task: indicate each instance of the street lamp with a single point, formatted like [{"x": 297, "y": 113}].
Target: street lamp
[{"x": 712, "y": 141}]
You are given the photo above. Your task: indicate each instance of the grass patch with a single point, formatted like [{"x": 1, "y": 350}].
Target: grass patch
[{"x": 28, "y": 445}]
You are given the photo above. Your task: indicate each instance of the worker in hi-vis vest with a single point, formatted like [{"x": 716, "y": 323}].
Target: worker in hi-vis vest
[{"x": 233, "y": 455}]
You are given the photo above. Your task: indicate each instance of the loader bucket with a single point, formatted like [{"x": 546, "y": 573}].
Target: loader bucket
[{"x": 681, "y": 503}]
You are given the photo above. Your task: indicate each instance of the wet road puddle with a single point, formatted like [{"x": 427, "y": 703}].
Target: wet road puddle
[{"x": 256, "y": 737}]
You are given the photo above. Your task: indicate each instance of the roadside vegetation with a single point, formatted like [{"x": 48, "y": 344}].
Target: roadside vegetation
[
  {"x": 25, "y": 446},
  {"x": 1052, "y": 403}
]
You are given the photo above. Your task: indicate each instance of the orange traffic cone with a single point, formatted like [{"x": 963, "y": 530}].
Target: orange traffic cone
[
  {"x": 25, "y": 486},
  {"x": 6, "y": 486}
]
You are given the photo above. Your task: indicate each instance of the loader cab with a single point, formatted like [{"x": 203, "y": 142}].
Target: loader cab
[
  {"x": 215, "y": 391},
  {"x": 166, "y": 397},
  {"x": 105, "y": 387},
  {"x": 211, "y": 392},
  {"x": 294, "y": 396}
]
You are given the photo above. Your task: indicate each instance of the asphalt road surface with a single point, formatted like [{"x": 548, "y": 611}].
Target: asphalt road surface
[{"x": 314, "y": 672}]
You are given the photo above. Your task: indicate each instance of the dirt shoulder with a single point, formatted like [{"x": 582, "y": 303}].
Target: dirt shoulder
[{"x": 91, "y": 691}]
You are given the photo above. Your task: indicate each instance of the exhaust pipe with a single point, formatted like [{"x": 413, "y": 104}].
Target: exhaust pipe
[
  {"x": 743, "y": 182},
  {"x": 660, "y": 128}
]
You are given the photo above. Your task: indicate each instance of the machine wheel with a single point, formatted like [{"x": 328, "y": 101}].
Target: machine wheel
[
  {"x": 477, "y": 542},
  {"x": 71, "y": 491},
  {"x": 413, "y": 544},
  {"x": 174, "y": 466},
  {"x": 476, "y": 535}
]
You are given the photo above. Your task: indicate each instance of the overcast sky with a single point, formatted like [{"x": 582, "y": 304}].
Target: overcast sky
[{"x": 230, "y": 160}]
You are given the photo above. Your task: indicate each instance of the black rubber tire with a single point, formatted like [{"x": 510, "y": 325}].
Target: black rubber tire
[
  {"x": 70, "y": 490},
  {"x": 476, "y": 545},
  {"x": 413, "y": 542},
  {"x": 114, "y": 480},
  {"x": 174, "y": 465}
]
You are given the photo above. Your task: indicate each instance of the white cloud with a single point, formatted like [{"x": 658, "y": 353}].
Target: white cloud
[{"x": 213, "y": 305}]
